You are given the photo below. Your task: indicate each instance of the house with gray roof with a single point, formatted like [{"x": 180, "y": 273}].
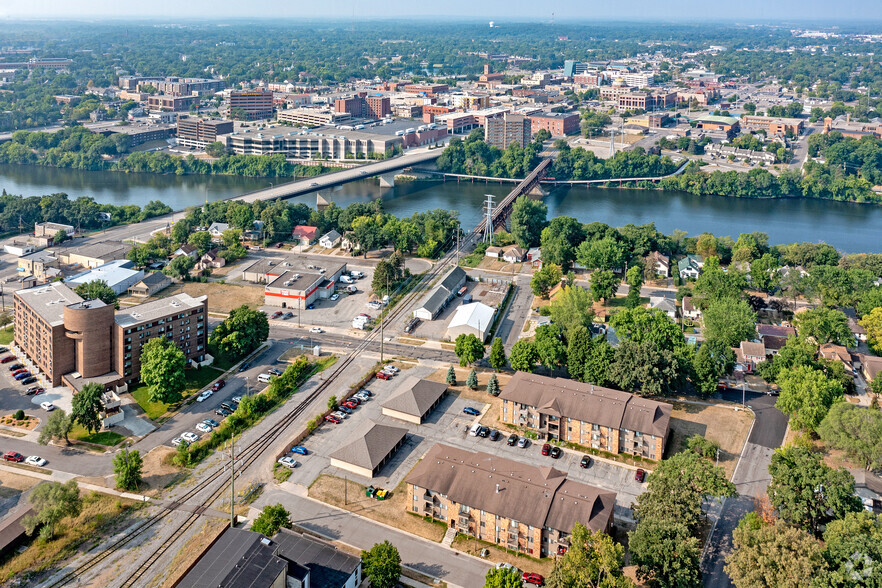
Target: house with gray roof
[
  {"x": 371, "y": 447},
  {"x": 415, "y": 400}
]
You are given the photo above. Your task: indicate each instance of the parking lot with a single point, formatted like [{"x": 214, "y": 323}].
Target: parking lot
[
  {"x": 447, "y": 424},
  {"x": 436, "y": 330}
]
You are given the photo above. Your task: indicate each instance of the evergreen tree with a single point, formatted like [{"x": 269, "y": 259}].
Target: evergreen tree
[
  {"x": 493, "y": 386},
  {"x": 497, "y": 357},
  {"x": 451, "y": 376},
  {"x": 472, "y": 380}
]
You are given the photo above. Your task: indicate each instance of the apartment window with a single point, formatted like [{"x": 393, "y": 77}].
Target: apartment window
[{"x": 463, "y": 509}]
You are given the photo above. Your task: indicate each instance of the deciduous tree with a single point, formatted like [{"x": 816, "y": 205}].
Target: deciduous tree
[
  {"x": 523, "y": 356},
  {"x": 382, "y": 565},
  {"x": 772, "y": 555},
  {"x": 497, "y": 357},
  {"x": 272, "y": 518},
  {"x": 551, "y": 350},
  {"x": 468, "y": 349},
  {"x": 528, "y": 218},
  {"x": 503, "y": 578},
  {"x": 712, "y": 361},
  {"x": 665, "y": 554},
  {"x": 57, "y": 426},
  {"x": 806, "y": 396},
  {"x": 127, "y": 466},
  {"x": 96, "y": 290},
  {"x": 639, "y": 325},
  {"x": 603, "y": 285},
  {"x": 52, "y": 502},
  {"x": 240, "y": 333},
  {"x": 87, "y": 407},
  {"x": 592, "y": 560},
  {"x": 546, "y": 279},
  {"x": 162, "y": 369},
  {"x": 570, "y": 308},
  {"x": 855, "y": 430},
  {"x": 729, "y": 321},
  {"x": 872, "y": 323},
  {"x": 824, "y": 325},
  {"x": 560, "y": 239}
]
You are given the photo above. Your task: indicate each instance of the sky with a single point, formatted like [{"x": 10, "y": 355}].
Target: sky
[{"x": 497, "y": 10}]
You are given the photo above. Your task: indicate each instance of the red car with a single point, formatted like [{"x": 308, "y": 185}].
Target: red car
[
  {"x": 19, "y": 371},
  {"x": 350, "y": 404},
  {"x": 640, "y": 475},
  {"x": 383, "y": 376},
  {"x": 218, "y": 385},
  {"x": 546, "y": 449},
  {"x": 332, "y": 419},
  {"x": 7, "y": 359},
  {"x": 533, "y": 578},
  {"x": 13, "y": 456}
]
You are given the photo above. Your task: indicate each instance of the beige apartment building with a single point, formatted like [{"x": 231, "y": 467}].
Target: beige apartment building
[
  {"x": 591, "y": 416},
  {"x": 521, "y": 507}
]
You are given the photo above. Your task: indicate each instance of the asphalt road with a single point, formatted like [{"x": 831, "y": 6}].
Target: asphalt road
[{"x": 751, "y": 479}]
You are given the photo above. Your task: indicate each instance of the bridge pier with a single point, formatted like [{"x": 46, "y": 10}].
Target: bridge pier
[{"x": 387, "y": 180}]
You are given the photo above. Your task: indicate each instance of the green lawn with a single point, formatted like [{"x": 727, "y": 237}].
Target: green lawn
[
  {"x": 6, "y": 336},
  {"x": 196, "y": 380},
  {"x": 108, "y": 438}
]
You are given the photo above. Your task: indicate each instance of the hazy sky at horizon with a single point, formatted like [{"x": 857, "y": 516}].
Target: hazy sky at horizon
[{"x": 497, "y": 10}]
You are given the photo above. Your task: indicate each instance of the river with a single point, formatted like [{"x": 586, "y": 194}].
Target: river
[{"x": 849, "y": 227}]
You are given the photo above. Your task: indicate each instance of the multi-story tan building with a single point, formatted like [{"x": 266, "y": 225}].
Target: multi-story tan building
[
  {"x": 199, "y": 132},
  {"x": 502, "y": 131},
  {"x": 773, "y": 125},
  {"x": 592, "y": 416},
  {"x": 172, "y": 103},
  {"x": 312, "y": 117},
  {"x": 251, "y": 104},
  {"x": 520, "y": 507},
  {"x": 73, "y": 341},
  {"x": 647, "y": 101}
]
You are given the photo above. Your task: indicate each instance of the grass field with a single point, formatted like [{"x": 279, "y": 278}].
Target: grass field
[
  {"x": 196, "y": 380},
  {"x": 108, "y": 438},
  {"x": 6, "y": 336}
]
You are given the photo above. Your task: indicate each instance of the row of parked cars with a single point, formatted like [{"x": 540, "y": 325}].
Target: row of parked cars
[
  {"x": 387, "y": 373},
  {"x": 18, "y": 371},
  {"x": 290, "y": 462},
  {"x": 225, "y": 409},
  {"x": 16, "y": 457},
  {"x": 345, "y": 409}
]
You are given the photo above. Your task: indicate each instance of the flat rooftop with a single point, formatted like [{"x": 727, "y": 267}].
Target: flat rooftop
[
  {"x": 149, "y": 311},
  {"x": 49, "y": 300},
  {"x": 296, "y": 280}
]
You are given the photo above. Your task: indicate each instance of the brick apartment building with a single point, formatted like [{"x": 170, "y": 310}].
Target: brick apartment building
[
  {"x": 73, "y": 341},
  {"x": 352, "y": 106},
  {"x": 502, "y": 131},
  {"x": 377, "y": 107},
  {"x": 591, "y": 416},
  {"x": 521, "y": 507},
  {"x": 174, "y": 86},
  {"x": 773, "y": 125},
  {"x": 199, "y": 132},
  {"x": 559, "y": 124},
  {"x": 251, "y": 104},
  {"x": 363, "y": 106},
  {"x": 647, "y": 101},
  {"x": 172, "y": 103}
]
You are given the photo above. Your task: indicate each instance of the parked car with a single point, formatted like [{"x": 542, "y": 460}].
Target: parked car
[
  {"x": 494, "y": 435},
  {"x": 204, "y": 396},
  {"x": 223, "y": 412},
  {"x": 546, "y": 449},
  {"x": 359, "y": 397},
  {"x": 391, "y": 368},
  {"x": 35, "y": 460},
  {"x": 340, "y": 414},
  {"x": 218, "y": 385},
  {"x": 316, "y": 330},
  {"x": 275, "y": 371},
  {"x": 203, "y": 427},
  {"x": 332, "y": 419},
  {"x": 22, "y": 375},
  {"x": 30, "y": 380},
  {"x": 18, "y": 371},
  {"x": 350, "y": 404},
  {"x": 287, "y": 316},
  {"x": 300, "y": 450},
  {"x": 34, "y": 390},
  {"x": 640, "y": 475},
  {"x": 484, "y": 432},
  {"x": 523, "y": 442},
  {"x": 177, "y": 441},
  {"x": 288, "y": 462},
  {"x": 345, "y": 409},
  {"x": 276, "y": 314},
  {"x": 334, "y": 297},
  {"x": 310, "y": 306},
  {"x": 228, "y": 406},
  {"x": 512, "y": 440},
  {"x": 7, "y": 359},
  {"x": 211, "y": 422},
  {"x": 384, "y": 376},
  {"x": 236, "y": 399},
  {"x": 47, "y": 406},
  {"x": 15, "y": 366},
  {"x": 412, "y": 324},
  {"x": 190, "y": 437},
  {"x": 585, "y": 462},
  {"x": 366, "y": 391},
  {"x": 556, "y": 452},
  {"x": 471, "y": 411},
  {"x": 244, "y": 366},
  {"x": 13, "y": 456},
  {"x": 533, "y": 578}
]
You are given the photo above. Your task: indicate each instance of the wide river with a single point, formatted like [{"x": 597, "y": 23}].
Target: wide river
[{"x": 849, "y": 227}]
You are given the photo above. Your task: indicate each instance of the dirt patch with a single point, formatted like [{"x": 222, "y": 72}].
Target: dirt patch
[
  {"x": 11, "y": 484},
  {"x": 392, "y": 511},
  {"x": 29, "y": 423},
  {"x": 158, "y": 471},
  {"x": 11, "y": 433},
  {"x": 411, "y": 341},
  {"x": 193, "y": 548},
  {"x": 523, "y": 562},
  {"x": 498, "y": 265},
  {"x": 222, "y": 298},
  {"x": 718, "y": 423}
]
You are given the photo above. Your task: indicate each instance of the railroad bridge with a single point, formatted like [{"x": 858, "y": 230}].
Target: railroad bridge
[{"x": 529, "y": 185}]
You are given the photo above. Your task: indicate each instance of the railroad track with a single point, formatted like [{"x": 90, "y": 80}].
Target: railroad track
[{"x": 254, "y": 449}]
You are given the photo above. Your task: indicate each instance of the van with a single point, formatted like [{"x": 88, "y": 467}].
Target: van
[
  {"x": 462, "y": 291},
  {"x": 467, "y": 299},
  {"x": 264, "y": 378},
  {"x": 350, "y": 289},
  {"x": 474, "y": 430},
  {"x": 345, "y": 279}
]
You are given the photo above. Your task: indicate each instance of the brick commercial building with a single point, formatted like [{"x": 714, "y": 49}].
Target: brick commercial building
[
  {"x": 592, "y": 416},
  {"x": 363, "y": 106},
  {"x": 73, "y": 341},
  {"x": 502, "y": 131},
  {"x": 521, "y": 507},
  {"x": 172, "y": 103},
  {"x": 187, "y": 86},
  {"x": 647, "y": 101},
  {"x": 377, "y": 106},
  {"x": 354, "y": 106},
  {"x": 199, "y": 132},
  {"x": 559, "y": 124},
  {"x": 251, "y": 104},
  {"x": 428, "y": 89},
  {"x": 727, "y": 124},
  {"x": 296, "y": 289},
  {"x": 773, "y": 125}
]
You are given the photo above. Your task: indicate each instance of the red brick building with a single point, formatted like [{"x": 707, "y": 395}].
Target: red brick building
[{"x": 559, "y": 124}]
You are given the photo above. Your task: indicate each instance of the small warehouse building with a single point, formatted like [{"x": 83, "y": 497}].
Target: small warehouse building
[
  {"x": 296, "y": 289},
  {"x": 371, "y": 449},
  {"x": 440, "y": 295},
  {"x": 119, "y": 275},
  {"x": 471, "y": 319},
  {"x": 415, "y": 401}
]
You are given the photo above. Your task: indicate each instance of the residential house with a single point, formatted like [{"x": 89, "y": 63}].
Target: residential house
[
  {"x": 838, "y": 353},
  {"x": 856, "y": 329},
  {"x": 774, "y": 337},
  {"x": 524, "y": 508},
  {"x": 330, "y": 239},
  {"x": 211, "y": 259},
  {"x": 150, "y": 285},
  {"x": 509, "y": 253},
  {"x": 593, "y": 416},
  {"x": 748, "y": 355},
  {"x": 660, "y": 262},
  {"x": 190, "y": 251},
  {"x": 689, "y": 309},
  {"x": 690, "y": 266},
  {"x": 216, "y": 230},
  {"x": 534, "y": 256},
  {"x": 304, "y": 235},
  {"x": 868, "y": 487},
  {"x": 870, "y": 366},
  {"x": 665, "y": 304}
]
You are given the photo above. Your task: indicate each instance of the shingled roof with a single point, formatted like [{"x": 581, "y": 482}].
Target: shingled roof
[
  {"x": 416, "y": 396},
  {"x": 371, "y": 445}
]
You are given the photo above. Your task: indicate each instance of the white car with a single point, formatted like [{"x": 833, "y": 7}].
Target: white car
[
  {"x": 177, "y": 441},
  {"x": 203, "y": 427},
  {"x": 391, "y": 368},
  {"x": 190, "y": 437},
  {"x": 335, "y": 297},
  {"x": 236, "y": 399},
  {"x": 204, "y": 396},
  {"x": 316, "y": 330},
  {"x": 340, "y": 414},
  {"x": 47, "y": 406},
  {"x": 288, "y": 462},
  {"x": 35, "y": 460}
]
